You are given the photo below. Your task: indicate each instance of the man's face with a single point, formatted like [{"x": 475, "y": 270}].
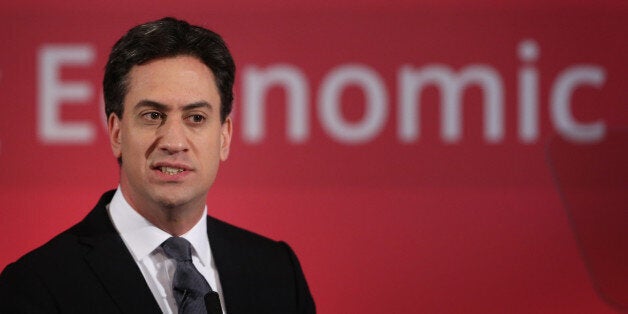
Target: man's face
[{"x": 170, "y": 137}]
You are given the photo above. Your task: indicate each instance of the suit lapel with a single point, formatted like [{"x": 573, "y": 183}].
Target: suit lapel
[
  {"x": 232, "y": 273},
  {"x": 112, "y": 263}
]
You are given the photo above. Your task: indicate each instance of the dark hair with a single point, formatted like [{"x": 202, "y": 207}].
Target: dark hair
[{"x": 165, "y": 38}]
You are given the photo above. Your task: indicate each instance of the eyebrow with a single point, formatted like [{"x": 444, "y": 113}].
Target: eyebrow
[{"x": 162, "y": 107}]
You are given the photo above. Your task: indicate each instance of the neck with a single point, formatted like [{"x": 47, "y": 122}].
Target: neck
[{"x": 173, "y": 219}]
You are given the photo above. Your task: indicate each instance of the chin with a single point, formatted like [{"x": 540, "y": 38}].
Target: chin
[
  {"x": 169, "y": 204},
  {"x": 175, "y": 199}
]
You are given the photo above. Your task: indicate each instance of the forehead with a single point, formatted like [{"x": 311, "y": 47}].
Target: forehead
[{"x": 175, "y": 80}]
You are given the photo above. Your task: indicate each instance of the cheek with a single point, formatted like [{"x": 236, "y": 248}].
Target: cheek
[
  {"x": 209, "y": 154},
  {"x": 133, "y": 146},
  {"x": 134, "y": 137}
]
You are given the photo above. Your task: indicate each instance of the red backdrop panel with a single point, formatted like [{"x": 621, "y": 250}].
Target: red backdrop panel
[{"x": 383, "y": 219}]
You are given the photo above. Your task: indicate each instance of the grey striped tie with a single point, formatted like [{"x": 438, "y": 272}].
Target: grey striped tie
[{"x": 189, "y": 286}]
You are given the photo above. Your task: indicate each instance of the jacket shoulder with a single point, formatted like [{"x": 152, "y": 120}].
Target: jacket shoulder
[
  {"x": 265, "y": 274},
  {"x": 28, "y": 285},
  {"x": 50, "y": 277}
]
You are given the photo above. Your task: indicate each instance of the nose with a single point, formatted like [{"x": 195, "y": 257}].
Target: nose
[{"x": 172, "y": 136}]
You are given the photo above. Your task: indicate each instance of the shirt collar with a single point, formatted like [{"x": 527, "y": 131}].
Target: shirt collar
[{"x": 142, "y": 237}]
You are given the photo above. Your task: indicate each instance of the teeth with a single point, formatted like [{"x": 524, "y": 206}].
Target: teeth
[{"x": 170, "y": 170}]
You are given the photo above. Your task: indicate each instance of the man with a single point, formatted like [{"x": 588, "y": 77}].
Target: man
[{"x": 149, "y": 246}]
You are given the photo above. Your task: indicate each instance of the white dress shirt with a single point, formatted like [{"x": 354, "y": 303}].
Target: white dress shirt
[{"x": 143, "y": 239}]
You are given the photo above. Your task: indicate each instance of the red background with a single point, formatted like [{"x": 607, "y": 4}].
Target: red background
[{"x": 379, "y": 226}]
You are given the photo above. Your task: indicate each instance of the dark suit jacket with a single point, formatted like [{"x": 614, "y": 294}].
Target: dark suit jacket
[{"x": 88, "y": 269}]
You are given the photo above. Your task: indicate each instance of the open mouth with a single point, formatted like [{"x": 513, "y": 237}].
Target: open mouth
[{"x": 170, "y": 170}]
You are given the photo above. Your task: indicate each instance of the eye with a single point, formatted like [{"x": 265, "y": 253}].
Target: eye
[
  {"x": 153, "y": 116},
  {"x": 196, "y": 118}
]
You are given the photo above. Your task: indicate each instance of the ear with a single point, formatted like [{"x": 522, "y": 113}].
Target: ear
[
  {"x": 113, "y": 125},
  {"x": 226, "y": 131}
]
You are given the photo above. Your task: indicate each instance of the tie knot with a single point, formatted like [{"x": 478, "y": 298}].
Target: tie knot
[{"x": 178, "y": 248}]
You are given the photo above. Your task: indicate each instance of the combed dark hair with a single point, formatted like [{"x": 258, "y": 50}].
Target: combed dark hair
[{"x": 165, "y": 38}]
